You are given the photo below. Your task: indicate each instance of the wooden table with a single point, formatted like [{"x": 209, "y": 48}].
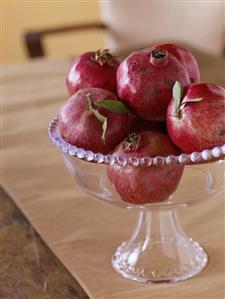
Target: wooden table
[
  {"x": 24, "y": 259},
  {"x": 22, "y": 249},
  {"x": 28, "y": 268}
]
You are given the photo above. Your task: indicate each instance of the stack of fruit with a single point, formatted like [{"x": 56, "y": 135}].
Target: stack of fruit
[{"x": 150, "y": 104}]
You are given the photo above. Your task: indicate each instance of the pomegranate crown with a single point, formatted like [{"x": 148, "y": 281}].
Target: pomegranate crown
[
  {"x": 103, "y": 57},
  {"x": 158, "y": 56},
  {"x": 131, "y": 143}
]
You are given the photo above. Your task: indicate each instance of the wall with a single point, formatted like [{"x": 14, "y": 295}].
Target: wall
[
  {"x": 199, "y": 24},
  {"x": 20, "y": 16}
]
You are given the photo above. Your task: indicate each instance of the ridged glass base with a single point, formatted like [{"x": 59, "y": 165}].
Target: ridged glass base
[{"x": 167, "y": 257}]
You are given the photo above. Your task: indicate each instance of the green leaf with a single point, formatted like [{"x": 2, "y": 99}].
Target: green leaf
[
  {"x": 113, "y": 105},
  {"x": 195, "y": 100},
  {"x": 177, "y": 94},
  {"x": 101, "y": 118},
  {"x": 104, "y": 128}
]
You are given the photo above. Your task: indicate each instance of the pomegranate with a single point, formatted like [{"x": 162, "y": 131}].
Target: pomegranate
[
  {"x": 138, "y": 125},
  {"x": 196, "y": 116},
  {"x": 185, "y": 57},
  {"x": 145, "y": 80},
  {"x": 94, "y": 119},
  {"x": 142, "y": 184},
  {"x": 93, "y": 69}
]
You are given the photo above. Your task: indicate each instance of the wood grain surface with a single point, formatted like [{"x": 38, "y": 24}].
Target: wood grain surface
[
  {"x": 82, "y": 233},
  {"x": 29, "y": 269}
]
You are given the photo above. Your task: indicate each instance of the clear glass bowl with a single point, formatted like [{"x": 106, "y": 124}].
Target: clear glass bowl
[{"x": 158, "y": 250}]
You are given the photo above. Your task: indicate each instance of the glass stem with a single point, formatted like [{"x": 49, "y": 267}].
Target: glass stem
[{"x": 156, "y": 225}]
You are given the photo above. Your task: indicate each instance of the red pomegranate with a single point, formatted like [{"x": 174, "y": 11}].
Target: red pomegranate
[
  {"x": 93, "y": 69},
  {"x": 145, "y": 80},
  {"x": 185, "y": 57},
  {"x": 142, "y": 184},
  {"x": 196, "y": 117},
  {"x": 94, "y": 119}
]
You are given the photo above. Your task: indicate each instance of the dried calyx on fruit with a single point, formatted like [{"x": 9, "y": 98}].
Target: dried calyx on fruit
[
  {"x": 178, "y": 94},
  {"x": 131, "y": 143},
  {"x": 159, "y": 57},
  {"x": 103, "y": 57},
  {"x": 115, "y": 106}
]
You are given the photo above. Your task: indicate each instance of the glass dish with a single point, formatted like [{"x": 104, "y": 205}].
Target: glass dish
[{"x": 158, "y": 250}]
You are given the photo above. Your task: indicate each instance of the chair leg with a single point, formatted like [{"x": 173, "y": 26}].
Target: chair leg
[{"x": 34, "y": 45}]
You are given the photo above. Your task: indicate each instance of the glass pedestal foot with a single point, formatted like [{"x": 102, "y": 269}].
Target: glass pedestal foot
[{"x": 159, "y": 251}]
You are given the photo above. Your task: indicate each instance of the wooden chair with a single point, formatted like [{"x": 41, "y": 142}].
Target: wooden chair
[
  {"x": 35, "y": 46},
  {"x": 34, "y": 39}
]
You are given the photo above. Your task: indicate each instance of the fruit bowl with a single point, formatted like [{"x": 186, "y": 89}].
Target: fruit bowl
[{"x": 158, "y": 250}]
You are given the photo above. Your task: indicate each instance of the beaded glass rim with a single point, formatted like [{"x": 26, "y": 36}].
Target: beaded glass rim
[{"x": 207, "y": 155}]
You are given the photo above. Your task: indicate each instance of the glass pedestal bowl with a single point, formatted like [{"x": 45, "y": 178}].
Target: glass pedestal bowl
[{"x": 158, "y": 250}]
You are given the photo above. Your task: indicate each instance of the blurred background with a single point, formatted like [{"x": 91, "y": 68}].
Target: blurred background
[
  {"x": 21, "y": 17},
  {"x": 67, "y": 28}
]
